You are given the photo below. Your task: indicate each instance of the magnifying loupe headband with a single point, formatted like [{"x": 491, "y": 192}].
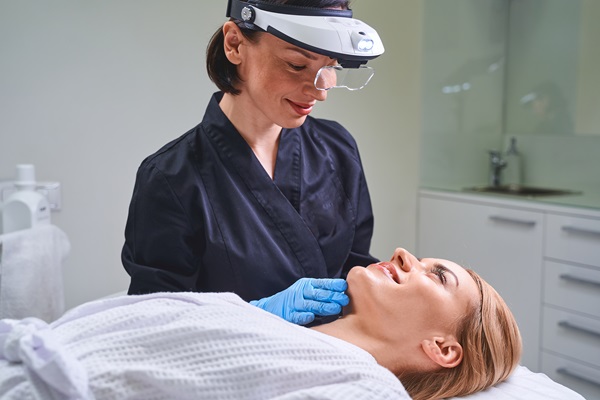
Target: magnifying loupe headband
[{"x": 333, "y": 33}]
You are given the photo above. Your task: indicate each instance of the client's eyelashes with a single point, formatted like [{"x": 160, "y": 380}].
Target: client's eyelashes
[{"x": 440, "y": 271}]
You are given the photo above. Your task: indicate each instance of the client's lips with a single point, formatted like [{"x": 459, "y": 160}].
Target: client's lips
[{"x": 390, "y": 270}]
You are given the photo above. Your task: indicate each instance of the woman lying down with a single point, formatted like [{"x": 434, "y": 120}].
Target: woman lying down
[{"x": 427, "y": 327}]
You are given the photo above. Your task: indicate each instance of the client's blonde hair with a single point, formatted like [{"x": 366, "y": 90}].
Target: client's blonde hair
[{"x": 491, "y": 345}]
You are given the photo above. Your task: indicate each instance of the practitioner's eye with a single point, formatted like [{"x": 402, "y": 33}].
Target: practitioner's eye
[{"x": 297, "y": 67}]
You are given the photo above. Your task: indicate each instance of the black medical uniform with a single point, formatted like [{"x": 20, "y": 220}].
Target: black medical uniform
[{"x": 205, "y": 216}]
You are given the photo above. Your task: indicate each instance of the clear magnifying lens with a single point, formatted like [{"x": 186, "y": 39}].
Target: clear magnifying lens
[{"x": 336, "y": 76}]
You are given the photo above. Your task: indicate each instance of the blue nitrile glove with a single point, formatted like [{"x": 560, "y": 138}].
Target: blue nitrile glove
[{"x": 306, "y": 298}]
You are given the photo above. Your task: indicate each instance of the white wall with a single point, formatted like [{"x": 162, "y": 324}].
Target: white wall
[
  {"x": 88, "y": 89},
  {"x": 385, "y": 119}
]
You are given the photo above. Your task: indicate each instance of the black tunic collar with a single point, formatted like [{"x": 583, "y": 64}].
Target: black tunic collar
[{"x": 280, "y": 198}]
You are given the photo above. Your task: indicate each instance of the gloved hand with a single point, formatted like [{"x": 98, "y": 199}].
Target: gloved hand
[{"x": 306, "y": 298}]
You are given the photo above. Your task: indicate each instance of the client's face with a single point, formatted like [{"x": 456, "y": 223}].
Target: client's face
[{"x": 411, "y": 296}]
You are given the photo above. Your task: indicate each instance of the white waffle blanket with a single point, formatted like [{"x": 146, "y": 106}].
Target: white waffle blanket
[{"x": 182, "y": 346}]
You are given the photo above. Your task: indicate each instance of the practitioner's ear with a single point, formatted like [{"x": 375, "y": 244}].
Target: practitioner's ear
[
  {"x": 446, "y": 352},
  {"x": 232, "y": 37}
]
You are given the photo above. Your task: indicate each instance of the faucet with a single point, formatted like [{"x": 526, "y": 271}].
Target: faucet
[{"x": 496, "y": 166}]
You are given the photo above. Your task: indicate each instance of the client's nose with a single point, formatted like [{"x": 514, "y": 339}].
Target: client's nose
[{"x": 404, "y": 259}]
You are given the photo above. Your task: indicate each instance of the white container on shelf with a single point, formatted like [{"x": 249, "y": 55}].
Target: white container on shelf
[{"x": 25, "y": 208}]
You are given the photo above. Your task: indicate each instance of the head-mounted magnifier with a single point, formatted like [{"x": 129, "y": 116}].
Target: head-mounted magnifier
[{"x": 333, "y": 33}]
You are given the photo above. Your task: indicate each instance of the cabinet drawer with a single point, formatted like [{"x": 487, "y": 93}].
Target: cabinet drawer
[
  {"x": 573, "y": 239},
  {"x": 572, "y": 335},
  {"x": 572, "y": 287},
  {"x": 583, "y": 379}
]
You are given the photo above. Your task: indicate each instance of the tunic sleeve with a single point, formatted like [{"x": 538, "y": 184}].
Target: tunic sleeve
[{"x": 159, "y": 251}]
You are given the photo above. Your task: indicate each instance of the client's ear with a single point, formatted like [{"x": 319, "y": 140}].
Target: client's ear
[{"x": 446, "y": 352}]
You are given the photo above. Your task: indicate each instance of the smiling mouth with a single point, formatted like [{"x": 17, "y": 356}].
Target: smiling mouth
[
  {"x": 302, "y": 109},
  {"x": 390, "y": 270}
]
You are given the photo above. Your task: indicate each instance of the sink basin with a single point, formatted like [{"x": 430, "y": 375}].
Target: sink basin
[{"x": 526, "y": 191}]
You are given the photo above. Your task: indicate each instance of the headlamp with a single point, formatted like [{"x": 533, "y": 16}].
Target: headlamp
[{"x": 333, "y": 33}]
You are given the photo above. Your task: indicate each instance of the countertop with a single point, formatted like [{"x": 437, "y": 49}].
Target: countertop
[{"x": 586, "y": 199}]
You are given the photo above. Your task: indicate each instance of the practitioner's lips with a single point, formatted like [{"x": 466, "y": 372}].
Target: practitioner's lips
[
  {"x": 301, "y": 108},
  {"x": 390, "y": 270}
]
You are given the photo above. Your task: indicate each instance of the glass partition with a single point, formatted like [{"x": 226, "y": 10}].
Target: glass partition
[
  {"x": 496, "y": 69},
  {"x": 553, "y": 84}
]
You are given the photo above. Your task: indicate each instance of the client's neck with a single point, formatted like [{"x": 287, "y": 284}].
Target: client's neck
[{"x": 349, "y": 330}]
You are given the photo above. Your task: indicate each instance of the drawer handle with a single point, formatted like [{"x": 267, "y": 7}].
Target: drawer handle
[
  {"x": 577, "y": 279},
  {"x": 580, "y": 231},
  {"x": 577, "y": 375},
  {"x": 579, "y": 328},
  {"x": 499, "y": 218}
]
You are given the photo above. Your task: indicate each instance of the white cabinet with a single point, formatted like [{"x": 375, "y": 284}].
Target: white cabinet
[
  {"x": 545, "y": 262},
  {"x": 502, "y": 244},
  {"x": 573, "y": 239},
  {"x": 571, "y": 306}
]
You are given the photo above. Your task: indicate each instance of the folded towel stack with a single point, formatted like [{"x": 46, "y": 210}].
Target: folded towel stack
[{"x": 31, "y": 276}]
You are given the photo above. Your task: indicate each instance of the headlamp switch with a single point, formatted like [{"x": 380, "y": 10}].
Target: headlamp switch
[{"x": 248, "y": 14}]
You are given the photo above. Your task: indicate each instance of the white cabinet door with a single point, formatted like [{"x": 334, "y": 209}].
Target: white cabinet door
[
  {"x": 573, "y": 239},
  {"x": 503, "y": 244}
]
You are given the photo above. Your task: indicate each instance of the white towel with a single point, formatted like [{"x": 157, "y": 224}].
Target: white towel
[
  {"x": 31, "y": 276},
  {"x": 184, "y": 346}
]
